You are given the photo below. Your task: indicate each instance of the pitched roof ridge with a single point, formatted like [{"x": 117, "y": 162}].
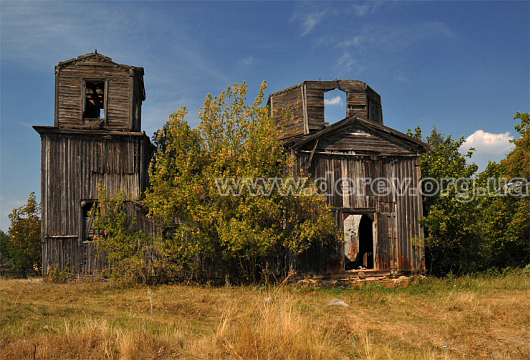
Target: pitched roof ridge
[
  {"x": 95, "y": 54},
  {"x": 363, "y": 122}
]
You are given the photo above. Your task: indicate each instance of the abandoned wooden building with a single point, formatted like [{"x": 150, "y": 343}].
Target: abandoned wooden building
[
  {"x": 96, "y": 137},
  {"x": 369, "y": 173}
]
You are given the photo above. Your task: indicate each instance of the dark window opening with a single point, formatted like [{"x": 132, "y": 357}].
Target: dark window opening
[
  {"x": 88, "y": 231},
  {"x": 358, "y": 241},
  {"x": 334, "y": 106},
  {"x": 94, "y": 99}
]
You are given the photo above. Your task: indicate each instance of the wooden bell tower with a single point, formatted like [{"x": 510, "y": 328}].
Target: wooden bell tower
[{"x": 96, "y": 137}]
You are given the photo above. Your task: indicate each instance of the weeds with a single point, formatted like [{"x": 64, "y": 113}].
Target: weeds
[{"x": 468, "y": 317}]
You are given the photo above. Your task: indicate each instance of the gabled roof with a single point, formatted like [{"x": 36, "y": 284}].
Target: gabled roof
[
  {"x": 101, "y": 57},
  {"x": 383, "y": 131}
]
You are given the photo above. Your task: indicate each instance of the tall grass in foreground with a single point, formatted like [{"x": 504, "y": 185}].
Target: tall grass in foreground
[{"x": 452, "y": 318}]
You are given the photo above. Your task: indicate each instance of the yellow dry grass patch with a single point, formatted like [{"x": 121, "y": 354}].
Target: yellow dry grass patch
[{"x": 430, "y": 319}]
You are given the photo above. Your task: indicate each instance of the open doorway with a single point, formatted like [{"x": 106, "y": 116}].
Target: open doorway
[{"x": 358, "y": 241}]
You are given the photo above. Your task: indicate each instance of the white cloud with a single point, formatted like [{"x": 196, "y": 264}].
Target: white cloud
[
  {"x": 333, "y": 101},
  {"x": 488, "y": 143}
]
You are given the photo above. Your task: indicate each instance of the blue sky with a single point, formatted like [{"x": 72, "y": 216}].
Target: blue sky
[{"x": 462, "y": 66}]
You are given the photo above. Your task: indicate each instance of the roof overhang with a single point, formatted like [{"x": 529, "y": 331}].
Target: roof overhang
[{"x": 379, "y": 129}]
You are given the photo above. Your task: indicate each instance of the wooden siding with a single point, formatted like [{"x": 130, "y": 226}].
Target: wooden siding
[
  {"x": 72, "y": 166},
  {"x": 67, "y": 253},
  {"x": 305, "y": 105},
  {"x": 397, "y": 211},
  {"x": 315, "y": 109},
  {"x": 361, "y": 142},
  {"x": 288, "y": 111},
  {"x": 123, "y": 92},
  {"x": 83, "y": 257}
]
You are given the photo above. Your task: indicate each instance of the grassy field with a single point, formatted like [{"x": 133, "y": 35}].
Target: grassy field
[{"x": 429, "y": 318}]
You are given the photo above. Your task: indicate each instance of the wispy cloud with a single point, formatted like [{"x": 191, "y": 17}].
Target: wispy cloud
[
  {"x": 311, "y": 20},
  {"x": 310, "y": 16},
  {"x": 337, "y": 100},
  {"x": 348, "y": 63},
  {"x": 362, "y": 10},
  {"x": 394, "y": 38},
  {"x": 370, "y": 41},
  {"x": 37, "y": 35},
  {"x": 246, "y": 61}
]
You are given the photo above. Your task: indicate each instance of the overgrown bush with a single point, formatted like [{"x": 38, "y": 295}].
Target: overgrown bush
[
  {"x": 204, "y": 233},
  {"x": 59, "y": 275}
]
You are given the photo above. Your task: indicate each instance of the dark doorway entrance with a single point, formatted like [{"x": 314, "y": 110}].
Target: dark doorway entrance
[{"x": 358, "y": 241}]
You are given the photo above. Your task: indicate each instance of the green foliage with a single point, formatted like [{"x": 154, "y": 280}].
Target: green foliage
[
  {"x": 129, "y": 251},
  {"x": 5, "y": 243},
  {"x": 214, "y": 235},
  {"x": 450, "y": 216},
  {"x": 59, "y": 276},
  {"x": 504, "y": 221},
  {"x": 468, "y": 230},
  {"x": 24, "y": 245}
]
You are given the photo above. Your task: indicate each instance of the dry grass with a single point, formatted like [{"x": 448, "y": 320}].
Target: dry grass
[{"x": 472, "y": 317}]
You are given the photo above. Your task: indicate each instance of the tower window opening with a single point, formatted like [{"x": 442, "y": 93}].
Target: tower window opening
[
  {"x": 334, "y": 106},
  {"x": 94, "y": 99}
]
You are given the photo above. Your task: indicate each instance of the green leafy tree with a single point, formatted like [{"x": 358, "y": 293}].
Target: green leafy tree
[
  {"x": 481, "y": 223},
  {"x": 517, "y": 162},
  {"x": 451, "y": 241},
  {"x": 25, "y": 236},
  {"x": 5, "y": 243},
  {"x": 213, "y": 235},
  {"x": 505, "y": 214}
]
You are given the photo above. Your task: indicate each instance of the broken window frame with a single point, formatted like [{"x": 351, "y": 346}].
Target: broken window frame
[{"x": 89, "y": 119}]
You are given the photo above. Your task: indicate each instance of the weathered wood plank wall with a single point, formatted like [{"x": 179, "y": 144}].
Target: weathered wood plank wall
[
  {"x": 305, "y": 105},
  {"x": 124, "y": 93},
  {"x": 73, "y": 166},
  {"x": 397, "y": 211}
]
